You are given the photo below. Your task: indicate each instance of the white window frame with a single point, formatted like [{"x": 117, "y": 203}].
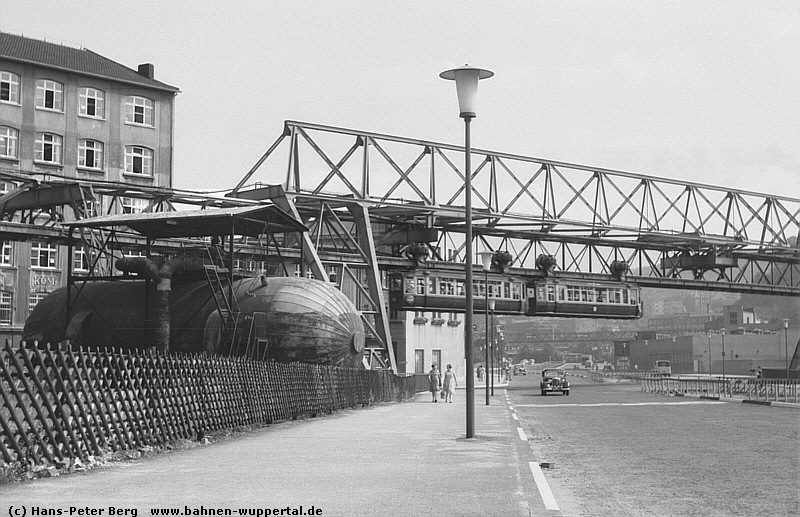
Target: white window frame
[
  {"x": 45, "y": 142},
  {"x": 6, "y": 308},
  {"x": 11, "y": 82},
  {"x": 40, "y": 249},
  {"x": 95, "y": 150},
  {"x": 133, "y": 205},
  {"x": 139, "y": 111},
  {"x": 142, "y": 157},
  {"x": 7, "y": 254},
  {"x": 9, "y": 140},
  {"x": 92, "y": 103},
  {"x": 80, "y": 260},
  {"x": 34, "y": 299},
  {"x": 56, "y": 89}
]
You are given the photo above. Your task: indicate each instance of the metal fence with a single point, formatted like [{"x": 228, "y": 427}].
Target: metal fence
[
  {"x": 759, "y": 390},
  {"x": 59, "y": 402}
]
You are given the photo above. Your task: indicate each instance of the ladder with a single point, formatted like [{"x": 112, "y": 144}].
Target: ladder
[{"x": 228, "y": 309}]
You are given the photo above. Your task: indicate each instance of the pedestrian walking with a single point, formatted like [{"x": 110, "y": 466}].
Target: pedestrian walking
[
  {"x": 434, "y": 382},
  {"x": 450, "y": 383}
]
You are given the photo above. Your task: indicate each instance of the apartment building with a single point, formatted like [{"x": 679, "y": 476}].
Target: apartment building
[{"x": 72, "y": 113}]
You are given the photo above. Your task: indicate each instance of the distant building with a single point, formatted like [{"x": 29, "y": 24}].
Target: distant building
[{"x": 72, "y": 113}]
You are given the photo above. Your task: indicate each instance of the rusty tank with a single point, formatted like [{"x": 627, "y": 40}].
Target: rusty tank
[{"x": 277, "y": 318}]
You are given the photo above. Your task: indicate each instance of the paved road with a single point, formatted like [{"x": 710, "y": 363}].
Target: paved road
[
  {"x": 620, "y": 452},
  {"x": 398, "y": 460}
]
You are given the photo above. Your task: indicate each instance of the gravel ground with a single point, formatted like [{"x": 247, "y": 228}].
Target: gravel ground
[{"x": 676, "y": 457}]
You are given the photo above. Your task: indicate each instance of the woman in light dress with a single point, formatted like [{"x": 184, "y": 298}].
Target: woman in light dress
[{"x": 449, "y": 383}]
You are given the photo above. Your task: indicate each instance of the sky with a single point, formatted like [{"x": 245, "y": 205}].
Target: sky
[{"x": 703, "y": 91}]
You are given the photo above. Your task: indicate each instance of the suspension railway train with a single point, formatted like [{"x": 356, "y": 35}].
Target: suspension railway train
[{"x": 440, "y": 291}]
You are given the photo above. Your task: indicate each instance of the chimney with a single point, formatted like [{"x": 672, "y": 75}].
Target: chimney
[{"x": 146, "y": 70}]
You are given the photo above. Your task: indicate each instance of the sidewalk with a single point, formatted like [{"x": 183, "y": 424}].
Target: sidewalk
[{"x": 393, "y": 459}]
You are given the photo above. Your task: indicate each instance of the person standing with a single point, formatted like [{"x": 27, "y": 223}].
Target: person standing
[
  {"x": 450, "y": 383},
  {"x": 434, "y": 382}
]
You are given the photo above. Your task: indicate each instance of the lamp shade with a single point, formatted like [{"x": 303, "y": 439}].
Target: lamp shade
[
  {"x": 486, "y": 259},
  {"x": 492, "y": 302},
  {"x": 466, "y": 78}
]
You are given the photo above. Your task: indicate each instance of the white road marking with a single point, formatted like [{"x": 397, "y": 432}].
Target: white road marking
[
  {"x": 514, "y": 416},
  {"x": 522, "y": 434},
  {"x": 544, "y": 489},
  {"x": 511, "y": 407},
  {"x": 613, "y": 404}
]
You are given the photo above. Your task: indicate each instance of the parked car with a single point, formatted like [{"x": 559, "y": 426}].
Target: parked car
[
  {"x": 520, "y": 370},
  {"x": 554, "y": 380}
]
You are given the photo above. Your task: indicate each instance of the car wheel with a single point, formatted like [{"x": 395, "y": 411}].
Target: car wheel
[
  {"x": 544, "y": 393},
  {"x": 566, "y": 393}
]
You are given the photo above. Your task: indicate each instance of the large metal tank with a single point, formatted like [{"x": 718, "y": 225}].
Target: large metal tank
[{"x": 296, "y": 319}]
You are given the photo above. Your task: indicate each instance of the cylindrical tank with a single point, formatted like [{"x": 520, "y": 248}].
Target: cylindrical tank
[{"x": 297, "y": 319}]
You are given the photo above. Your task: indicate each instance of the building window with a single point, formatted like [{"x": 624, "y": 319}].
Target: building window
[
  {"x": 44, "y": 255},
  {"x": 80, "y": 261},
  {"x": 9, "y": 87},
  {"x": 49, "y": 95},
  {"x": 34, "y": 299},
  {"x": 437, "y": 359},
  {"x": 48, "y": 148},
  {"x": 90, "y": 154},
  {"x": 6, "y": 254},
  {"x": 138, "y": 160},
  {"x": 419, "y": 361},
  {"x": 91, "y": 103},
  {"x": 139, "y": 110},
  {"x": 8, "y": 142},
  {"x": 5, "y": 309},
  {"x": 133, "y": 205}
]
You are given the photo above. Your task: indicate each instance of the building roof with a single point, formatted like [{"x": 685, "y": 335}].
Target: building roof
[
  {"x": 69, "y": 59},
  {"x": 251, "y": 221}
]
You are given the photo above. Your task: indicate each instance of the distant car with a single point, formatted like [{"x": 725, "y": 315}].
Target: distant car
[
  {"x": 520, "y": 370},
  {"x": 554, "y": 380},
  {"x": 608, "y": 368}
]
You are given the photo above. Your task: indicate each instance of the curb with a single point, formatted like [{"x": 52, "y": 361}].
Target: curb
[{"x": 790, "y": 405}]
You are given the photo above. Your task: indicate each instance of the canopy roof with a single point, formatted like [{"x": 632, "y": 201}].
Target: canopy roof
[{"x": 250, "y": 221}]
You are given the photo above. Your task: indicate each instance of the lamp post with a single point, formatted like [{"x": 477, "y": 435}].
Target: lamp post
[
  {"x": 486, "y": 259},
  {"x": 466, "y": 78},
  {"x": 723, "y": 353},
  {"x": 491, "y": 308},
  {"x": 709, "y": 353},
  {"x": 786, "y": 345}
]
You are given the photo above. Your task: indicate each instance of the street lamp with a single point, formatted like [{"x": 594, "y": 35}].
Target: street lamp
[
  {"x": 709, "y": 353},
  {"x": 786, "y": 345},
  {"x": 723, "y": 353},
  {"x": 491, "y": 308},
  {"x": 486, "y": 259},
  {"x": 466, "y": 78}
]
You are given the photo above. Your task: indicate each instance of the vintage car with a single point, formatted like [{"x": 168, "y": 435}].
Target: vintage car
[{"x": 554, "y": 380}]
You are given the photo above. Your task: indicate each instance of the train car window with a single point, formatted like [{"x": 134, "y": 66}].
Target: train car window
[
  {"x": 396, "y": 283},
  {"x": 602, "y": 295},
  {"x": 584, "y": 296},
  {"x": 561, "y": 292},
  {"x": 634, "y": 297},
  {"x": 625, "y": 296},
  {"x": 515, "y": 291},
  {"x": 420, "y": 285},
  {"x": 506, "y": 289},
  {"x": 450, "y": 286},
  {"x": 551, "y": 293},
  {"x": 617, "y": 296},
  {"x": 460, "y": 291},
  {"x": 410, "y": 284},
  {"x": 590, "y": 295},
  {"x": 431, "y": 285}
]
